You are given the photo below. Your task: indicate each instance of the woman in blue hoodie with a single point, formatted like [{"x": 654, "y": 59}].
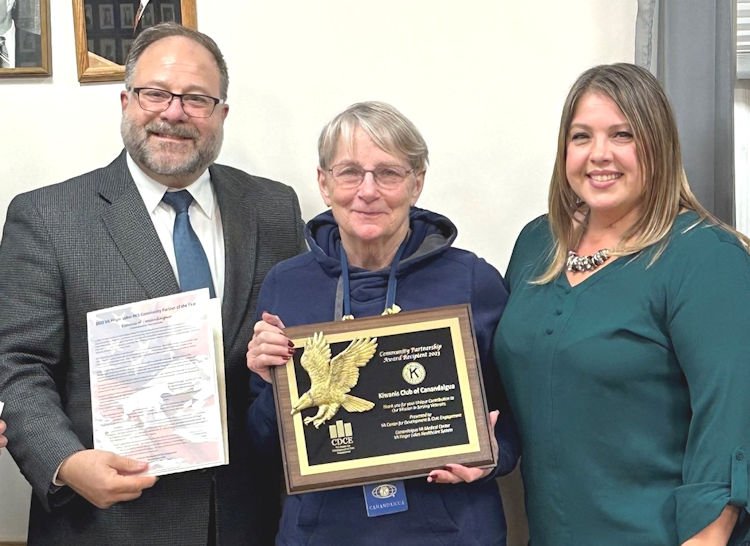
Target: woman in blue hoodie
[{"x": 372, "y": 250}]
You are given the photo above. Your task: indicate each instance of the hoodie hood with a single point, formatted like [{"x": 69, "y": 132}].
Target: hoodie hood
[{"x": 431, "y": 234}]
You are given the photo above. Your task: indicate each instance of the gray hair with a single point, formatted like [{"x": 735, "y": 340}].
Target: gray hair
[
  {"x": 386, "y": 126},
  {"x": 165, "y": 30}
]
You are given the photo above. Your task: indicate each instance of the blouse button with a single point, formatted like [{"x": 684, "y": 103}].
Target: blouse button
[
  {"x": 558, "y": 312},
  {"x": 549, "y": 331},
  {"x": 739, "y": 456}
]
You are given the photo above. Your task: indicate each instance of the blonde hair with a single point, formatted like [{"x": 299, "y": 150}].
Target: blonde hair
[{"x": 640, "y": 98}]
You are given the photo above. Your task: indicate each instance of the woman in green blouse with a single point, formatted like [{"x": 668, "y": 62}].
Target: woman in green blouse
[{"x": 625, "y": 345}]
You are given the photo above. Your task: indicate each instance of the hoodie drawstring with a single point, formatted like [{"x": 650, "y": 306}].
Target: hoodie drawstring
[{"x": 390, "y": 295}]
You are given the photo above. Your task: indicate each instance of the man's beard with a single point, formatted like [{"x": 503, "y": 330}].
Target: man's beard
[{"x": 158, "y": 158}]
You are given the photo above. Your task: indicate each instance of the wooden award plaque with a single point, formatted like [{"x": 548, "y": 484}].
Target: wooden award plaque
[{"x": 381, "y": 398}]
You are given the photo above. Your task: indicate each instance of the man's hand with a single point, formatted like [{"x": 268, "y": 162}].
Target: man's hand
[
  {"x": 3, "y": 439},
  {"x": 104, "y": 478}
]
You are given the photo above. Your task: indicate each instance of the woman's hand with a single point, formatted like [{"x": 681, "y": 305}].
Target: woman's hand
[
  {"x": 717, "y": 532},
  {"x": 269, "y": 346},
  {"x": 456, "y": 473}
]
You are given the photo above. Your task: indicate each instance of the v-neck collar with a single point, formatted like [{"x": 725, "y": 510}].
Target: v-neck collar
[{"x": 681, "y": 221}]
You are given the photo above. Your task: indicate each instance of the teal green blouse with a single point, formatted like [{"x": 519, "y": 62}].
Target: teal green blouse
[{"x": 631, "y": 389}]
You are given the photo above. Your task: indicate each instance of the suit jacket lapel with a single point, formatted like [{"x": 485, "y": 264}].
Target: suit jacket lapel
[
  {"x": 133, "y": 232},
  {"x": 239, "y": 224}
]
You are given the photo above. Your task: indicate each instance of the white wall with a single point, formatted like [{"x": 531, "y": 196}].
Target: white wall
[
  {"x": 483, "y": 80},
  {"x": 742, "y": 154}
]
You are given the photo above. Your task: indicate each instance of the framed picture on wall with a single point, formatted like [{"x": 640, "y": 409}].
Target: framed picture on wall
[
  {"x": 127, "y": 15},
  {"x": 106, "y": 16},
  {"x": 105, "y": 29},
  {"x": 125, "y": 46},
  {"x": 147, "y": 17},
  {"x": 167, "y": 12},
  {"x": 24, "y": 38},
  {"x": 107, "y": 48}
]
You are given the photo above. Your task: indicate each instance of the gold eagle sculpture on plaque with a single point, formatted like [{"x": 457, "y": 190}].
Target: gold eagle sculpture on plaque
[{"x": 332, "y": 378}]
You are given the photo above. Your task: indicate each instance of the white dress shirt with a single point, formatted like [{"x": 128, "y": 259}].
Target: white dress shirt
[{"x": 205, "y": 219}]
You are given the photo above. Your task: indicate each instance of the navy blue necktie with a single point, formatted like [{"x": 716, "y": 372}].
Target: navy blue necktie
[{"x": 192, "y": 264}]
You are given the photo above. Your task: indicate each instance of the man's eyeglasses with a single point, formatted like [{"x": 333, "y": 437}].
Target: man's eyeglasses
[
  {"x": 385, "y": 176},
  {"x": 158, "y": 100}
]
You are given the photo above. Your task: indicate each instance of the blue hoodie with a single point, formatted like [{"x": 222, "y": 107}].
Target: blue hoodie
[{"x": 308, "y": 289}]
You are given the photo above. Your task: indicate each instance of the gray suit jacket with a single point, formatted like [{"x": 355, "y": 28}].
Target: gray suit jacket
[{"x": 89, "y": 243}]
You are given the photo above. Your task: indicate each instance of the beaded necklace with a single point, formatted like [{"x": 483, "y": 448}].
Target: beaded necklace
[{"x": 581, "y": 264}]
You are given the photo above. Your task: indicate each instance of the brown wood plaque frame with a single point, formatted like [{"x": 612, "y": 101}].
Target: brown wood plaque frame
[
  {"x": 91, "y": 29},
  {"x": 425, "y": 382}
]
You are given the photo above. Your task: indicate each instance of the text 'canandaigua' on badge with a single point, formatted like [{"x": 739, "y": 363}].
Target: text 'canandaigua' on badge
[{"x": 381, "y": 398}]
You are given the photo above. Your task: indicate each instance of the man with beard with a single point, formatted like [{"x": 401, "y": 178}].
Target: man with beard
[{"x": 104, "y": 239}]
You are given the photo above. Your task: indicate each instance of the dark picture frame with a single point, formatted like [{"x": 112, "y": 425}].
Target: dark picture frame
[
  {"x": 104, "y": 31},
  {"x": 127, "y": 16},
  {"x": 422, "y": 382},
  {"x": 32, "y": 51}
]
